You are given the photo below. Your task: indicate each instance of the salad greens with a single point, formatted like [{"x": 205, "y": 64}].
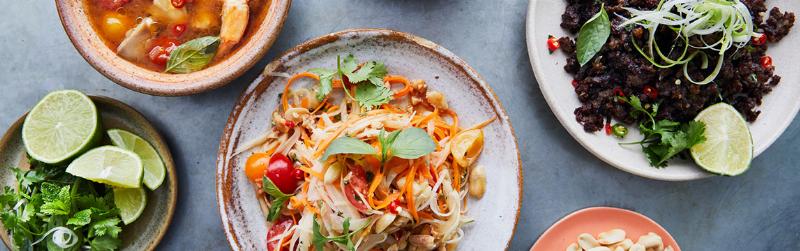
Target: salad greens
[
  {"x": 663, "y": 139},
  {"x": 592, "y": 36},
  {"x": 50, "y": 209}
]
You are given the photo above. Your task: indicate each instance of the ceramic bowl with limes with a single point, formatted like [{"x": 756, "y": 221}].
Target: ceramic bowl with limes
[{"x": 132, "y": 141}]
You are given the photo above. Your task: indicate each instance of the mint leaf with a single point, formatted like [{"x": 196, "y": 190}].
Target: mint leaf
[
  {"x": 369, "y": 95},
  {"x": 81, "y": 218},
  {"x": 325, "y": 81},
  {"x": 412, "y": 143},
  {"x": 349, "y": 145}
]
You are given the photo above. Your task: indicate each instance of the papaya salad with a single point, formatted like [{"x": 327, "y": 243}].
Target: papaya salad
[{"x": 364, "y": 160}]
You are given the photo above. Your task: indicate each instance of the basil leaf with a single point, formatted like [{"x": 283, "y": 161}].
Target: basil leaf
[
  {"x": 386, "y": 143},
  {"x": 193, "y": 55},
  {"x": 318, "y": 240},
  {"x": 593, "y": 36},
  {"x": 346, "y": 144},
  {"x": 275, "y": 208},
  {"x": 412, "y": 143},
  {"x": 270, "y": 188}
]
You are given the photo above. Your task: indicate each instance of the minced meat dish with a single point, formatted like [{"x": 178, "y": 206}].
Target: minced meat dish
[{"x": 620, "y": 70}]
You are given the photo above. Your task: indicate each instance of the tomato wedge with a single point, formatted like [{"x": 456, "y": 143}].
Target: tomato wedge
[
  {"x": 357, "y": 182},
  {"x": 277, "y": 229}
]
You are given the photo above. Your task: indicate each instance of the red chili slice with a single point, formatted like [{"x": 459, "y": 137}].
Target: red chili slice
[{"x": 766, "y": 61}]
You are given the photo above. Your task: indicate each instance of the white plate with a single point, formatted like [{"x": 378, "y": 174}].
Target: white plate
[
  {"x": 777, "y": 111},
  {"x": 495, "y": 214}
]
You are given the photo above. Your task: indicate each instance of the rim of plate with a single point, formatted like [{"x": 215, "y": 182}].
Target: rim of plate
[
  {"x": 533, "y": 50},
  {"x": 260, "y": 84},
  {"x": 603, "y": 208}
]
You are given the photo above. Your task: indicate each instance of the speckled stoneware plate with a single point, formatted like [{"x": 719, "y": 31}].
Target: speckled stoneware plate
[
  {"x": 777, "y": 111},
  {"x": 595, "y": 220},
  {"x": 146, "y": 232},
  {"x": 404, "y": 54}
]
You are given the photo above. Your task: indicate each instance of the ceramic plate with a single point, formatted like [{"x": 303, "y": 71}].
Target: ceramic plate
[
  {"x": 595, "y": 220},
  {"x": 777, "y": 111},
  {"x": 146, "y": 232},
  {"x": 495, "y": 214}
]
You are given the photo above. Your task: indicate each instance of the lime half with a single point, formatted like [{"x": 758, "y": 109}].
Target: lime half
[
  {"x": 153, "y": 166},
  {"x": 61, "y": 126},
  {"x": 728, "y": 148},
  {"x": 131, "y": 203},
  {"x": 109, "y": 165}
]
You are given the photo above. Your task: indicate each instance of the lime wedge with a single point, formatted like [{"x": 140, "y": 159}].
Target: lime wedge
[
  {"x": 131, "y": 203},
  {"x": 728, "y": 148},
  {"x": 109, "y": 165},
  {"x": 61, "y": 126},
  {"x": 153, "y": 166}
]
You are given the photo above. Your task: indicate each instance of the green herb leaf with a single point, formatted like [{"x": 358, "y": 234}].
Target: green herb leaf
[
  {"x": 348, "y": 65},
  {"x": 412, "y": 143},
  {"x": 348, "y": 145},
  {"x": 372, "y": 71},
  {"x": 81, "y": 218},
  {"x": 107, "y": 227},
  {"x": 369, "y": 95},
  {"x": 386, "y": 144},
  {"x": 592, "y": 36},
  {"x": 193, "y": 55},
  {"x": 105, "y": 243},
  {"x": 346, "y": 238},
  {"x": 278, "y": 198},
  {"x": 325, "y": 81}
]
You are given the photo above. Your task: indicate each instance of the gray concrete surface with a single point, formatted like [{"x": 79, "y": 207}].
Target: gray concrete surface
[{"x": 756, "y": 211}]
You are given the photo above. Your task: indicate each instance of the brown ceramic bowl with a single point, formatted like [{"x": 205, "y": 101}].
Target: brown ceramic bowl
[{"x": 83, "y": 35}]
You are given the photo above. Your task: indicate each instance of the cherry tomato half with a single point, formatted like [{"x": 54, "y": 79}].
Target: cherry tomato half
[
  {"x": 162, "y": 47},
  {"x": 766, "y": 61},
  {"x": 277, "y": 229},
  {"x": 760, "y": 40},
  {"x": 357, "y": 182},
  {"x": 552, "y": 44},
  {"x": 281, "y": 172},
  {"x": 650, "y": 91},
  {"x": 256, "y": 166}
]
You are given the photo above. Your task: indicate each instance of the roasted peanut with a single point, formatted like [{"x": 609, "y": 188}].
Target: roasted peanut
[
  {"x": 436, "y": 99},
  {"x": 587, "y": 241},
  {"x": 477, "y": 182},
  {"x": 611, "y": 237},
  {"x": 384, "y": 221}
]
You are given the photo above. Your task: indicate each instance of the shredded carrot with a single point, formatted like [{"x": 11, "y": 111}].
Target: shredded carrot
[
  {"x": 285, "y": 96},
  {"x": 409, "y": 190},
  {"x": 312, "y": 172},
  {"x": 456, "y": 174},
  {"x": 320, "y": 105},
  {"x": 375, "y": 182},
  {"x": 483, "y": 124},
  {"x": 454, "y": 127},
  {"x": 388, "y": 200},
  {"x": 401, "y": 80},
  {"x": 431, "y": 115},
  {"x": 325, "y": 143}
]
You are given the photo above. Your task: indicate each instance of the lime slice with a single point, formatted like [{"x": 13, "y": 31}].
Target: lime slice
[
  {"x": 728, "y": 148},
  {"x": 153, "y": 166},
  {"x": 131, "y": 203},
  {"x": 109, "y": 165},
  {"x": 61, "y": 126}
]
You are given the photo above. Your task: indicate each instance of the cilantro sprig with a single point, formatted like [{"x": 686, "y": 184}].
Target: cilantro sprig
[
  {"x": 346, "y": 238},
  {"x": 409, "y": 143},
  {"x": 278, "y": 198},
  {"x": 367, "y": 77},
  {"x": 46, "y": 197},
  {"x": 664, "y": 139}
]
